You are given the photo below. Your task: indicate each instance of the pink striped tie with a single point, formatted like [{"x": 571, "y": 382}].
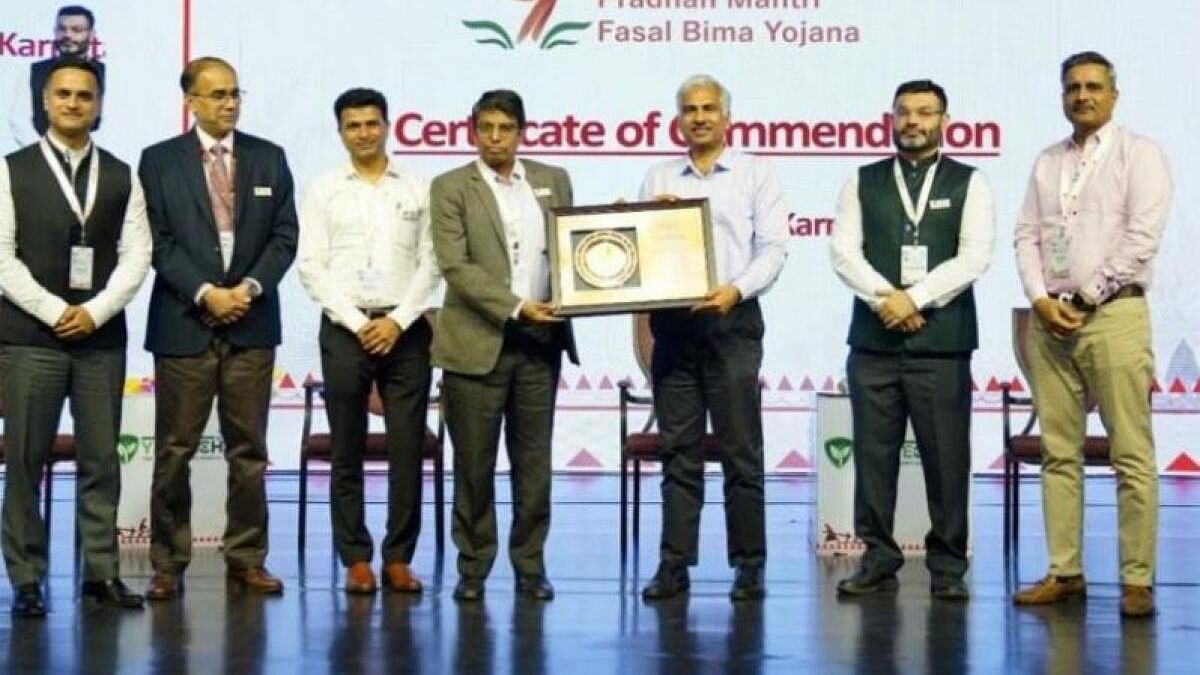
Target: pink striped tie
[{"x": 220, "y": 189}]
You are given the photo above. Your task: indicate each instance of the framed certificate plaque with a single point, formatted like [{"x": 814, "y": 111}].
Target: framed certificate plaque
[{"x": 631, "y": 257}]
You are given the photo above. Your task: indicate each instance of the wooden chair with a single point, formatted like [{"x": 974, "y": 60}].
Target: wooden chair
[
  {"x": 1025, "y": 446},
  {"x": 319, "y": 447}
]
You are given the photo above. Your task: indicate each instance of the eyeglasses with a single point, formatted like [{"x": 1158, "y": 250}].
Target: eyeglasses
[
  {"x": 505, "y": 129},
  {"x": 221, "y": 95},
  {"x": 923, "y": 113}
]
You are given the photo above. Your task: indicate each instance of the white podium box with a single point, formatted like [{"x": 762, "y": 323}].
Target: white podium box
[
  {"x": 135, "y": 449},
  {"x": 833, "y": 450}
]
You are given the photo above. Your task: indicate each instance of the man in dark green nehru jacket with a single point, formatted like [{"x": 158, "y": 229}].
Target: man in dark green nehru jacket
[{"x": 913, "y": 233}]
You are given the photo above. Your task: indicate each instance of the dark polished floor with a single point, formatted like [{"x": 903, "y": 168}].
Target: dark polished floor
[{"x": 598, "y": 624}]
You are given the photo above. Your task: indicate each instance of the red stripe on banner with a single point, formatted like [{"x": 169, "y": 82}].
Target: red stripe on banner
[
  {"x": 470, "y": 152},
  {"x": 187, "y": 52}
]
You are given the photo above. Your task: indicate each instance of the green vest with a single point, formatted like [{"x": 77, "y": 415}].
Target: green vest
[{"x": 950, "y": 329}]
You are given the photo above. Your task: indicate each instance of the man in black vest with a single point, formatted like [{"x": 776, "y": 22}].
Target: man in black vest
[
  {"x": 73, "y": 39},
  {"x": 74, "y": 248},
  {"x": 913, "y": 233}
]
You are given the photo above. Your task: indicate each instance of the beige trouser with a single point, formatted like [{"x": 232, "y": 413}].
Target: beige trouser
[{"x": 1110, "y": 358}]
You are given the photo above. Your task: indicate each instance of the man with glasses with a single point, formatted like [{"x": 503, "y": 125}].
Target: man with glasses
[
  {"x": 222, "y": 214},
  {"x": 914, "y": 233},
  {"x": 499, "y": 341}
]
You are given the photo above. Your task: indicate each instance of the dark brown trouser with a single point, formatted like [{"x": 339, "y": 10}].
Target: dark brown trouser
[{"x": 240, "y": 379}]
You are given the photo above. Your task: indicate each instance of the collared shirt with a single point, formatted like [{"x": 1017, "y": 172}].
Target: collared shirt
[
  {"x": 976, "y": 240},
  {"x": 1112, "y": 230},
  {"x": 207, "y": 143},
  {"x": 133, "y": 262},
  {"x": 748, "y": 214},
  {"x": 73, "y": 157},
  {"x": 368, "y": 245},
  {"x": 524, "y": 231}
]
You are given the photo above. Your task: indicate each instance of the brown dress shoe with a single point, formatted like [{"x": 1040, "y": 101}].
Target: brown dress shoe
[
  {"x": 360, "y": 578},
  {"x": 397, "y": 576},
  {"x": 164, "y": 586},
  {"x": 256, "y": 580},
  {"x": 1051, "y": 589},
  {"x": 1137, "y": 600}
]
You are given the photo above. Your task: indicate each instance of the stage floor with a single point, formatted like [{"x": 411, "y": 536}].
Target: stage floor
[{"x": 599, "y": 624}]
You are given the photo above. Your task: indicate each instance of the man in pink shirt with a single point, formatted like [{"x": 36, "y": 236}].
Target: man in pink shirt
[{"x": 1085, "y": 237}]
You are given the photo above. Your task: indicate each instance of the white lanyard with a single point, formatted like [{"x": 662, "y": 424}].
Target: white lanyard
[
  {"x": 82, "y": 212},
  {"x": 915, "y": 214},
  {"x": 1091, "y": 158}
]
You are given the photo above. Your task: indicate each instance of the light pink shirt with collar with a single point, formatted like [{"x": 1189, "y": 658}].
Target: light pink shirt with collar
[{"x": 1114, "y": 227}]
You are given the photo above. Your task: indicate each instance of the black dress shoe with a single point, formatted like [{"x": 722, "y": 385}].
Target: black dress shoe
[
  {"x": 535, "y": 586},
  {"x": 670, "y": 580},
  {"x": 111, "y": 592},
  {"x": 866, "y": 582},
  {"x": 748, "y": 584},
  {"x": 944, "y": 587},
  {"x": 27, "y": 601},
  {"x": 469, "y": 589}
]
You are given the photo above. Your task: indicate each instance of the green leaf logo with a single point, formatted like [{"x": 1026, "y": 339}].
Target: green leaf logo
[
  {"x": 838, "y": 449},
  {"x": 491, "y": 33},
  {"x": 127, "y": 447},
  {"x": 552, "y": 38}
]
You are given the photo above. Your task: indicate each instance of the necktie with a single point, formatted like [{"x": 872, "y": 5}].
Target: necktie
[{"x": 220, "y": 189}]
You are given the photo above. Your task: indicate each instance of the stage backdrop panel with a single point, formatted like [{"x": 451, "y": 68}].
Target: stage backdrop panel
[{"x": 811, "y": 83}]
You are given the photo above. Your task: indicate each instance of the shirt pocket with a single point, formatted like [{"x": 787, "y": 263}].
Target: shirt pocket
[{"x": 406, "y": 218}]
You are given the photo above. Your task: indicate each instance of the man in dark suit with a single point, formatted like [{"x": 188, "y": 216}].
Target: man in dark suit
[
  {"x": 223, "y": 218},
  {"x": 74, "y": 26},
  {"x": 499, "y": 341},
  {"x": 74, "y": 248}
]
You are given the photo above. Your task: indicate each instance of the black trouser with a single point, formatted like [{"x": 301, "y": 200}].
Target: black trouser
[
  {"x": 934, "y": 392},
  {"x": 707, "y": 365},
  {"x": 37, "y": 380},
  {"x": 403, "y": 377},
  {"x": 520, "y": 391}
]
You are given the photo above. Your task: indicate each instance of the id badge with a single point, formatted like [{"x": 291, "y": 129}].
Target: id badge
[
  {"x": 1060, "y": 258},
  {"x": 914, "y": 264},
  {"x": 370, "y": 282},
  {"x": 82, "y": 259}
]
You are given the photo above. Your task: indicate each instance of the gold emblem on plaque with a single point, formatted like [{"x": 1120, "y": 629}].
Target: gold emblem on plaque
[{"x": 606, "y": 259}]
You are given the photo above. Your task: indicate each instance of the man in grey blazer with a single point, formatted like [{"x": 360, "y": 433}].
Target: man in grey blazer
[{"x": 499, "y": 341}]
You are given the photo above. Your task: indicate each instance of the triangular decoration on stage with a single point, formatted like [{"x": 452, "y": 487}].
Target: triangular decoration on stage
[
  {"x": 562, "y": 384},
  {"x": 287, "y": 382},
  {"x": 310, "y": 378},
  {"x": 605, "y": 383},
  {"x": 1184, "y": 462},
  {"x": 1196, "y": 389},
  {"x": 794, "y": 460},
  {"x": 993, "y": 384},
  {"x": 1155, "y": 387},
  {"x": 1177, "y": 387},
  {"x": 784, "y": 384},
  {"x": 583, "y": 383},
  {"x": 762, "y": 382},
  {"x": 974, "y": 385},
  {"x": 584, "y": 460},
  {"x": 829, "y": 384},
  {"x": 1015, "y": 386},
  {"x": 807, "y": 384},
  {"x": 998, "y": 464}
]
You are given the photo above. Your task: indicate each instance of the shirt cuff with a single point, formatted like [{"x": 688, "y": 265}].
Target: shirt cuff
[
  {"x": 403, "y": 317},
  {"x": 516, "y": 313},
  {"x": 199, "y": 297},
  {"x": 256, "y": 288},
  {"x": 920, "y": 296},
  {"x": 51, "y": 310}
]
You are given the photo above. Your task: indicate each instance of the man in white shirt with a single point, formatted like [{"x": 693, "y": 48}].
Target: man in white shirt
[
  {"x": 74, "y": 248},
  {"x": 366, "y": 257},
  {"x": 706, "y": 358},
  {"x": 913, "y": 234}
]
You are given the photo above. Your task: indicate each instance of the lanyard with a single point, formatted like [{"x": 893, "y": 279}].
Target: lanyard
[
  {"x": 82, "y": 212},
  {"x": 915, "y": 213}
]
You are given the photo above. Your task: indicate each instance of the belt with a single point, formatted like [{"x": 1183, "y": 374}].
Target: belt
[
  {"x": 1130, "y": 291},
  {"x": 376, "y": 312}
]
